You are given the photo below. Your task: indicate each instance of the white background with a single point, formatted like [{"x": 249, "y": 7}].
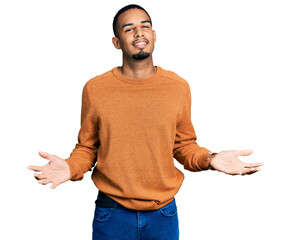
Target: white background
[{"x": 236, "y": 57}]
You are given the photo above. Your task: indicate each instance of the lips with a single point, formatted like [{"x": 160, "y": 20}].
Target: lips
[{"x": 140, "y": 43}]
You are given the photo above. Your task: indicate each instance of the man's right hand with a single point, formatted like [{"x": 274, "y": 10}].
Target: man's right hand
[{"x": 57, "y": 171}]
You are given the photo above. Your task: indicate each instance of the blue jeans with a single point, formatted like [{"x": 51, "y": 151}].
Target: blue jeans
[{"x": 119, "y": 222}]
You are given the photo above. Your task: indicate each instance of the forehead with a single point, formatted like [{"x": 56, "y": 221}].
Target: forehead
[{"x": 134, "y": 15}]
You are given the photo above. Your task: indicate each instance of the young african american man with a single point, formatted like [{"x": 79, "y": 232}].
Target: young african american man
[{"x": 134, "y": 120}]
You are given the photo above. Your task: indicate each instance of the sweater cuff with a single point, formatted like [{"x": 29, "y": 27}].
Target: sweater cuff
[
  {"x": 204, "y": 159},
  {"x": 75, "y": 175}
]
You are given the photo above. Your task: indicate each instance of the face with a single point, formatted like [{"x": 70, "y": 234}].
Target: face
[{"x": 135, "y": 35}]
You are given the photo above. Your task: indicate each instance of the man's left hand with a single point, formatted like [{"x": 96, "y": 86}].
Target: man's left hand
[{"x": 228, "y": 162}]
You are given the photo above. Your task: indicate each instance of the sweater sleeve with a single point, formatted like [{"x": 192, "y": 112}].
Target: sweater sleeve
[
  {"x": 84, "y": 155},
  {"x": 186, "y": 151}
]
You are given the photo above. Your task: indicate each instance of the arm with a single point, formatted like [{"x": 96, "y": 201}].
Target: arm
[
  {"x": 84, "y": 155},
  {"x": 196, "y": 158},
  {"x": 186, "y": 150}
]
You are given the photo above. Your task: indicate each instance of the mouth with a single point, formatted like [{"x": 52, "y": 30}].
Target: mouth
[{"x": 140, "y": 43}]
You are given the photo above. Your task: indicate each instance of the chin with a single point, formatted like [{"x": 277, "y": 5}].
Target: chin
[{"x": 141, "y": 55}]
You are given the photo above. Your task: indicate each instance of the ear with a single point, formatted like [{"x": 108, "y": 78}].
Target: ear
[
  {"x": 155, "y": 37},
  {"x": 116, "y": 42}
]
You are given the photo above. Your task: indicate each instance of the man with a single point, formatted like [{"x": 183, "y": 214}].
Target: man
[{"x": 135, "y": 119}]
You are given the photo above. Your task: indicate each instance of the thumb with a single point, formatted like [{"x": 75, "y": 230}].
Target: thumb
[
  {"x": 245, "y": 152},
  {"x": 54, "y": 185},
  {"x": 46, "y": 155}
]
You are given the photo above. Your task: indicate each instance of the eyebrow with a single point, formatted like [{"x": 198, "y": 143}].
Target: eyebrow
[{"x": 130, "y": 24}]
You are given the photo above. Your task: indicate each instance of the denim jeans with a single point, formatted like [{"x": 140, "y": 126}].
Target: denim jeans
[{"x": 119, "y": 222}]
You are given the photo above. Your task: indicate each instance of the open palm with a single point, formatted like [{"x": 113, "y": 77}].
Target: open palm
[
  {"x": 229, "y": 163},
  {"x": 57, "y": 171}
]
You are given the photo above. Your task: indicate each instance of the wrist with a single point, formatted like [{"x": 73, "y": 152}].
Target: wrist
[{"x": 210, "y": 157}]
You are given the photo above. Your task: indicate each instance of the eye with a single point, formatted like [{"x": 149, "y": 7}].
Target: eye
[
  {"x": 145, "y": 27},
  {"x": 129, "y": 29}
]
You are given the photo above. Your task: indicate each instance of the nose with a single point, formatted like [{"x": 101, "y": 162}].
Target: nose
[{"x": 138, "y": 33}]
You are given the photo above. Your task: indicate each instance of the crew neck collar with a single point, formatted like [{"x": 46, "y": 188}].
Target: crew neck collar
[{"x": 119, "y": 76}]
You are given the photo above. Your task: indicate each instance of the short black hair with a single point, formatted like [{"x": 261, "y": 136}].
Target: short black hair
[{"x": 124, "y": 9}]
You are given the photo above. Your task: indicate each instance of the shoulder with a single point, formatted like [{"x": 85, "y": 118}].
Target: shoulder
[
  {"x": 99, "y": 82},
  {"x": 174, "y": 77},
  {"x": 95, "y": 84},
  {"x": 99, "y": 79}
]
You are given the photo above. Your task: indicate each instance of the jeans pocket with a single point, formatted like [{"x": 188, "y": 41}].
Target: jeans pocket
[
  {"x": 170, "y": 209},
  {"x": 102, "y": 214}
]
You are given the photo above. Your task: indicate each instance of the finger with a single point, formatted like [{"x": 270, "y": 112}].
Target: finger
[
  {"x": 245, "y": 152},
  {"x": 44, "y": 181},
  {"x": 47, "y": 156},
  {"x": 252, "y": 165},
  {"x": 44, "y": 155},
  {"x": 54, "y": 185},
  {"x": 250, "y": 171},
  {"x": 39, "y": 176},
  {"x": 34, "y": 168}
]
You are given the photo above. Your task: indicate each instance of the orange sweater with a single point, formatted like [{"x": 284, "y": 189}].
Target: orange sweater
[{"x": 132, "y": 129}]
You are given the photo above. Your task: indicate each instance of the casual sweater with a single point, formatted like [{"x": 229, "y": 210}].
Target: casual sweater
[{"x": 131, "y": 131}]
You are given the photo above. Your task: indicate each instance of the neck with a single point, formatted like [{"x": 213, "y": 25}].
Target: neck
[{"x": 138, "y": 68}]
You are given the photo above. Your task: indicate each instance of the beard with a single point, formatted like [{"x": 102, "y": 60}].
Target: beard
[{"x": 141, "y": 55}]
